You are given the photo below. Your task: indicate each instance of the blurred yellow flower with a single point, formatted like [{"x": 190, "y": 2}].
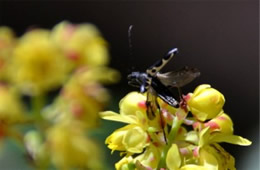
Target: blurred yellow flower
[
  {"x": 82, "y": 44},
  {"x": 69, "y": 147},
  {"x": 7, "y": 43},
  {"x": 11, "y": 112},
  {"x": 72, "y": 58},
  {"x": 37, "y": 64},
  {"x": 11, "y": 108},
  {"x": 206, "y": 102},
  {"x": 81, "y": 98}
]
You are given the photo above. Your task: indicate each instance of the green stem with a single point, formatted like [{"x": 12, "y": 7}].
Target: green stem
[
  {"x": 176, "y": 124},
  {"x": 38, "y": 102}
]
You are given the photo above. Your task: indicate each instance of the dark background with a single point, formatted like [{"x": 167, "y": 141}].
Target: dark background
[{"x": 219, "y": 37}]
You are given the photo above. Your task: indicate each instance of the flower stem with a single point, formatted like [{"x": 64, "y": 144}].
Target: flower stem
[
  {"x": 38, "y": 103},
  {"x": 172, "y": 135}
]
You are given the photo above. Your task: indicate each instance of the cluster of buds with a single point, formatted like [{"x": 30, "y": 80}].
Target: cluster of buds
[
  {"x": 71, "y": 58},
  {"x": 184, "y": 138}
]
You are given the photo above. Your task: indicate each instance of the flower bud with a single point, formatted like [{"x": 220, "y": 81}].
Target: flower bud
[
  {"x": 206, "y": 102},
  {"x": 132, "y": 103},
  {"x": 222, "y": 123}
]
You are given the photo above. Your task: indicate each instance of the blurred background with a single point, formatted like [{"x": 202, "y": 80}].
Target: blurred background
[{"x": 219, "y": 37}]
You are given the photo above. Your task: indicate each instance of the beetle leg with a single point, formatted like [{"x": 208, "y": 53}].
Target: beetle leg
[{"x": 162, "y": 122}]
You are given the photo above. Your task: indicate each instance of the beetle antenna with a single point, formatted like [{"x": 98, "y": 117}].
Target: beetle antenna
[{"x": 130, "y": 41}]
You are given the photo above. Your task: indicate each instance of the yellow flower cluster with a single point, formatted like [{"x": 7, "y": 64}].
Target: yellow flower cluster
[
  {"x": 85, "y": 45},
  {"x": 42, "y": 60},
  {"x": 72, "y": 58},
  {"x": 37, "y": 65},
  {"x": 167, "y": 141}
]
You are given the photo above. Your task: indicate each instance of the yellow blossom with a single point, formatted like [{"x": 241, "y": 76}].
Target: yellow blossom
[
  {"x": 214, "y": 157},
  {"x": 130, "y": 138},
  {"x": 150, "y": 158},
  {"x": 124, "y": 163},
  {"x": 82, "y": 44},
  {"x": 7, "y": 43},
  {"x": 206, "y": 136},
  {"x": 37, "y": 64},
  {"x": 222, "y": 123},
  {"x": 132, "y": 110},
  {"x": 198, "y": 149},
  {"x": 136, "y": 136},
  {"x": 70, "y": 148},
  {"x": 206, "y": 102},
  {"x": 81, "y": 99},
  {"x": 175, "y": 161},
  {"x": 11, "y": 108},
  {"x": 132, "y": 103}
]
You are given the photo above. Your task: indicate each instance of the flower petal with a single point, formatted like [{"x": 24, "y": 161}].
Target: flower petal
[
  {"x": 193, "y": 167},
  {"x": 233, "y": 139},
  {"x": 135, "y": 139},
  {"x": 173, "y": 159},
  {"x": 204, "y": 136},
  {"x": 109, "y": 115},
  {"x": 208, "y": 160}
]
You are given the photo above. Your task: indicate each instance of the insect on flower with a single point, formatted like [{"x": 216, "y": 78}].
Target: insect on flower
[{"x": 158, "y": 84}]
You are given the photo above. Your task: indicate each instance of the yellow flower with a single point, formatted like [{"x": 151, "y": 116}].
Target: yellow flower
[
  {"x": 82, "y": 44},
  {"x": 134, "y": 137},
  {"x": 70, "y": 148},
  {"x": 37, "y": 64},
  {"x": 222, "y": 123},
  {"x": 216, "y": 158},
  {"x": 124, "y": 163},
  {"x": 7, "y": 43},
  {"x": 147, "y": 160},
  {"x": 150, "y": 158},
  {"x": 198, "y": 149},
  {"x": 81, "y": 99},
  {"x": 133, "y": 103},
  {"x": 132, "y": 110},
  {"x": 11, "y": 109},
  {"x": 130, "y": 138},
  {"x": 206, "y": 102},
  {"x": 212, "y": 157},
  {"x": 206, "y": 136}
]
